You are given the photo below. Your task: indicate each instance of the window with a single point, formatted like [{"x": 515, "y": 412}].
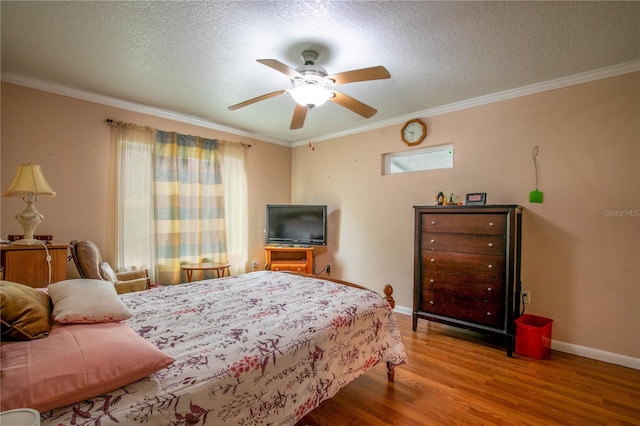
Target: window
[
  {"x": 172, "y": 204},
  {"x": 431, "y": 158}
]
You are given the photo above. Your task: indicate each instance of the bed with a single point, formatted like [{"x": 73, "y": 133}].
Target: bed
[{"x": 263, "y": 348}]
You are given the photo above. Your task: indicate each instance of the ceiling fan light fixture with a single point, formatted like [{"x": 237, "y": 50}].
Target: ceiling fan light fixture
[
  {"x": 312, "y": 87},
  {"x": 310, "y": 95}
]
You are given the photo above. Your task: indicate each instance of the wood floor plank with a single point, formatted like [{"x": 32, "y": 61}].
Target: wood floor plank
[{"x": 457, "y": 377}]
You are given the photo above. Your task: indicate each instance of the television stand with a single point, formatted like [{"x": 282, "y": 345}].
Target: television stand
[{"x": 295, "y": 259}]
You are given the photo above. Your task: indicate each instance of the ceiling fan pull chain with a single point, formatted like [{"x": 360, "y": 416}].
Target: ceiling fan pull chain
[{"x": 313, "y": 125}]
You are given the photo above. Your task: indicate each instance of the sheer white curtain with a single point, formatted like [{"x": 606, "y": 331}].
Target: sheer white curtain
[
  {"x": 234, "y": 180},
  {"x": 135, "y": 240}
]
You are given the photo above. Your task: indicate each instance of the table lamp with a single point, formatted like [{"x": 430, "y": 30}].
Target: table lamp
[{"x": 29, "y": 184}]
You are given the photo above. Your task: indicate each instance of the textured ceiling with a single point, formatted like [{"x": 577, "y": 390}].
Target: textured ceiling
[{"x": 198, "y": 58}]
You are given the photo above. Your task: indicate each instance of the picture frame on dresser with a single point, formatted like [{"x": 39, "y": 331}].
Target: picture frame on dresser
[{"x": 476, "y": 198}]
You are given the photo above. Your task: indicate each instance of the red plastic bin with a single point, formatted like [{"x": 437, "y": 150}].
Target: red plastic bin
[{"x": 533, "y": 336}]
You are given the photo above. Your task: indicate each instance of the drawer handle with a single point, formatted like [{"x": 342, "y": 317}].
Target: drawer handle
[
  {"x": 490, "y": 244},
  {"x": 489, "y": 289},
  {"x": 432, "y": 281},
  {"x": 432, "y": 260},
  {"x": 490, "y": 266},
  {"x": 488, "y": 314},
  {"x": 431, "y": 302},
  {"x": 433, "y": 222},
  {"x": 432, "y": 241},
  {"x": 491, "y": 224}
]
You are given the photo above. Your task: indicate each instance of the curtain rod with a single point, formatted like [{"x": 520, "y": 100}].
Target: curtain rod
[
  {"x": 123, "y": 124},
  {"x": 132, "y": 126}
]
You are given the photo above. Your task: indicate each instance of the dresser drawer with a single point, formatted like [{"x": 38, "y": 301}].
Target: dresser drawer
[
  {"x": 466, "y": 223},
  {"x": 464, "y": 243},
  {"x": 485, "y": 287},
  {"x": 295, "y": 267},
  {"x": 463, "y": 264},
  {"x": 453, "y": 306}
]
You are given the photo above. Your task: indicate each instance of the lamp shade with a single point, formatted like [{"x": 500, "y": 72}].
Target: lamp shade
[
  {"x": 310, "y": 95},
  {"x": 29, "y": 180}
]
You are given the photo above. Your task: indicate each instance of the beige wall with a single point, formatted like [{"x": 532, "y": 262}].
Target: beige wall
[
  {"x": 579, "y": 261},
  {"x": 70, "y": 140}
]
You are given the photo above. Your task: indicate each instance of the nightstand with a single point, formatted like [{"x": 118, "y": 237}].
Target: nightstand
[{"x": 28, "y": 264}]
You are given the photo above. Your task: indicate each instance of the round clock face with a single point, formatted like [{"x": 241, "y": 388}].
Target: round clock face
[{"x": 413, "y": 132}]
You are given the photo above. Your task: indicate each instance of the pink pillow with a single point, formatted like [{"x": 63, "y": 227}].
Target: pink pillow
[{"x": 74, "y": 363}]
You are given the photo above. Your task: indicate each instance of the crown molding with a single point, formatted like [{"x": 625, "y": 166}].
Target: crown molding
[
  {"x": 558, "y": 83},
  {"x": 130, "y": 106}
]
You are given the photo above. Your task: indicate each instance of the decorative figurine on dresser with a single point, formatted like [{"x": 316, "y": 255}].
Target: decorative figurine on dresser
[{"x": 467, "y": 267}]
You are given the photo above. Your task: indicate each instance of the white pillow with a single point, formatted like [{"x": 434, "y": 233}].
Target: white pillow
[
  {"x": 106, "y": 271},
  {"x": 86, "y": 301}
]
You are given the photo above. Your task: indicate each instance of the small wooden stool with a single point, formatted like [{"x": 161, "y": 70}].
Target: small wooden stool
[{"x": 219, "y": 268}]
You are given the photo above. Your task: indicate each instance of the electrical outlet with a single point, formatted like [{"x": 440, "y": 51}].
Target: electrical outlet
[
  {"x": 526, "y": 296},
  {"x": 328, "y": 268},
  {"x": 255, "y": 265}
]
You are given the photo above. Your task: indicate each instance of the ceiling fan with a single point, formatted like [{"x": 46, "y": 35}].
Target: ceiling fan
[{"x": 312, "y": 87}]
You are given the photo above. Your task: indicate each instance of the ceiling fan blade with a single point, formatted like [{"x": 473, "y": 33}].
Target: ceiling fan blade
[
  {"x": 279, "y": 66},
  {"x": 364, "y": 74},
  {"x": 299, "y": 114},
  {"x": 257, "y": 99},
  {"x": 353, "y": 104}
]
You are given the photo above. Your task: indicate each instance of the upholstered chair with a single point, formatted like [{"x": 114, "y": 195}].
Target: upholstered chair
[{"x": 90, "y": 264}]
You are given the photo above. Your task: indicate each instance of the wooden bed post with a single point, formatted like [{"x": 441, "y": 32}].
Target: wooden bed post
[
  {"x": 391, "y": 372},
  {"x": 388, "y": 291}
]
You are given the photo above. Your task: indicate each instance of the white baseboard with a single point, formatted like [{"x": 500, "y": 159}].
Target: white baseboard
[
  {"x": 597, "y": 354},
  {"x": 403, "y": 310}
]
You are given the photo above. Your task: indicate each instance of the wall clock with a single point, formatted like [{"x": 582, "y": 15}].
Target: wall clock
[{"x": 413, "y": 132}]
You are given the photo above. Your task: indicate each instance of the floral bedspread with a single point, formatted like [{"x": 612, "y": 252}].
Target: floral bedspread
[{"x": 263, "y": 348}]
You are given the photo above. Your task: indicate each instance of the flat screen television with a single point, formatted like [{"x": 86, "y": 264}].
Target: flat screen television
[{"x": 296, "y": 225}]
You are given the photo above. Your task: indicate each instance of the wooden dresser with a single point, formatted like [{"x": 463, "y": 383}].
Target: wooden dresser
[
  {"x": 467, "y": 267},
  {"x": 28, "y": 264}
]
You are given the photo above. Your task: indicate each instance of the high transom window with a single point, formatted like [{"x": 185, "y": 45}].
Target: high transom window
[{"x": 430, "y": 158}]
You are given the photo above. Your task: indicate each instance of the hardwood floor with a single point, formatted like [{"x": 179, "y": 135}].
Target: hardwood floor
[{"x": 456, "y": 377}]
